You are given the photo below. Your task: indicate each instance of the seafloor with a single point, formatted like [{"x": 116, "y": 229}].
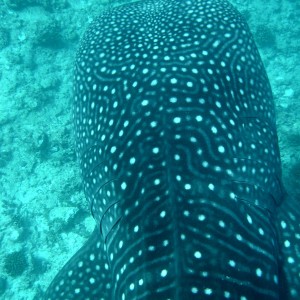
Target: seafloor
[{"x": 44, "y": 217}]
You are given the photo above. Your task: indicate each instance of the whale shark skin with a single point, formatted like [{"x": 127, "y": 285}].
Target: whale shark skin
[{"x": 177, "y": 144}]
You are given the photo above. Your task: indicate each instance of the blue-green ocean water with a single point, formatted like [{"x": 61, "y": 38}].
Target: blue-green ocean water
[{"x": 44, "y": 217}]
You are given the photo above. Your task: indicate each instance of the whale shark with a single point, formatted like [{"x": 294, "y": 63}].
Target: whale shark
[{"x": 177, "y": 144}]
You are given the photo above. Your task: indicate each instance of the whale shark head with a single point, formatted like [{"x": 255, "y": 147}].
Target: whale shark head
[{"x": 177, "y": 143}]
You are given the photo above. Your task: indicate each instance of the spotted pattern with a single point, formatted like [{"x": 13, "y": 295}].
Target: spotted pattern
[{"x": 176, "y": 138}]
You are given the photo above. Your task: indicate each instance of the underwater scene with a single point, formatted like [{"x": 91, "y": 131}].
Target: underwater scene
[{"x": 149, "y": 132}]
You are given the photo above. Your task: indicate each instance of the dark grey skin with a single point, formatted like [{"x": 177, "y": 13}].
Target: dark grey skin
[{"x": 176, "y": 138}]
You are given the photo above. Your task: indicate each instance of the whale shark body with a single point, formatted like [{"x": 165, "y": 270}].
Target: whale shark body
[{"x": 177, "y": 143}]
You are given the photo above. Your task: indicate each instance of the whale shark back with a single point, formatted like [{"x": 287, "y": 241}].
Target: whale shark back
[{"x": 177, "y": 143}]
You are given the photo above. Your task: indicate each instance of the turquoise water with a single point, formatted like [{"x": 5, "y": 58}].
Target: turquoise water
[{"x": 44, "y": 218}]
